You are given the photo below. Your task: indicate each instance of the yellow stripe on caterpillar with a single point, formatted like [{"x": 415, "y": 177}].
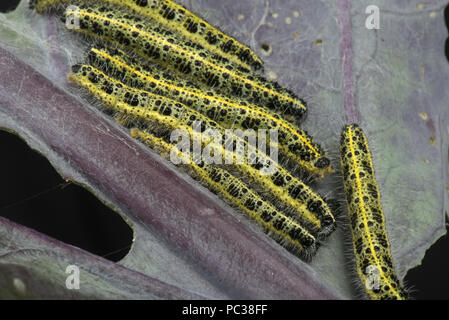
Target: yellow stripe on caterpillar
[
  {"x": 180, "y": 20},
  {"x": 287, "y": 231},
  {"x": 309, "y": 207},
  {"x": 293, "y": 141},
  {"x": 187, "y": 58},
  {"x": 369, "y": 235}
]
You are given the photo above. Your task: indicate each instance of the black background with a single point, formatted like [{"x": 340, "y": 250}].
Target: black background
[{"x": 33, "y": 194}]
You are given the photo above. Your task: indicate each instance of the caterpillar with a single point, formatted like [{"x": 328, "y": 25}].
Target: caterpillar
[
  {"x": 367, "y": 221},
  {"x": 309, "y": 207},
  {"x": 294, "y": 142},
  {"x": 285, "y": 230},
  {"x": 187, "y": 58},
  {"x": 180, "y": 20}
]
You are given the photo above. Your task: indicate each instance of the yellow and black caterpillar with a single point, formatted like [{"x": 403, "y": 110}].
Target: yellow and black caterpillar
[
  {"x": 185, "y": 57},
  {"x": 286, "y": 230},
  {"x": 367, "y": 221},
  {"x": 180, "y": 20}
]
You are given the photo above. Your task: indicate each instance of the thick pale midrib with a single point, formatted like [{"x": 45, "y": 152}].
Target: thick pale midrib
[
  {"x": 218, "y": 68},
  {"x": 365, "y": 219},
  {"x": 266, "y": 115}
]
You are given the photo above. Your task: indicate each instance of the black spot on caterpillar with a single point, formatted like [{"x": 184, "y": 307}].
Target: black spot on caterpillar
[
  {"x": 282, "y": 228},
  {"x": 367, "y": 221},
  {"x": 180, "y": 20},
  {"x": 293, "y": 141},
  {"x": 310, "y": 209},
  {"x": 187, "y": 58}
]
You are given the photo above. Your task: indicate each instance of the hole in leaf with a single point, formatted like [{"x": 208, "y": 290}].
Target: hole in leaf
[
  {"x": 33, "y": 194},
  {"x": 8, "y": 5},
  {"x": 266, "y": 48},
  {"x": 430, "y": 280}
]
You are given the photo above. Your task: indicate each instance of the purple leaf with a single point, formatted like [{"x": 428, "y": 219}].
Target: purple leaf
[{"x": 188, "y": 243}]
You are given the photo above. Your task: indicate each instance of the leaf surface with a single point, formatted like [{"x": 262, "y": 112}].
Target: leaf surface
[{"x": 188, "y": 243}]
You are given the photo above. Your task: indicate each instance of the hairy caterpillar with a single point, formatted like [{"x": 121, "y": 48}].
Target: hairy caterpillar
[
  {"x": 286, "y": 231},
  {"x": 309, "y": 207},
  {"x": 182, "y": 21},
  {"x": 367, "y": 221},
  {"x": 294, "y": 142},
  {"x": 187, "y": 58}
]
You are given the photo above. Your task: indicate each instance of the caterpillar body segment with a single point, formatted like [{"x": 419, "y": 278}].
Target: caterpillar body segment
[{"x": 367, "y": 221}]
